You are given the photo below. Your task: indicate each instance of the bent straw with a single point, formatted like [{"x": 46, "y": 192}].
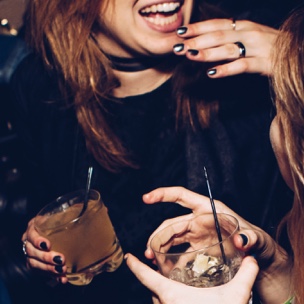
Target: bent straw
[
  {"x": 217, "y": 226},
  {"x": 86, "y": 196}
]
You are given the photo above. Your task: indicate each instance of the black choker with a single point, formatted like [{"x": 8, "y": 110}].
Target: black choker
[{"x": 135, "y": 64}]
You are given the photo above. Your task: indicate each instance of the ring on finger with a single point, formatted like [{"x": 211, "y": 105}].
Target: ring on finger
[
  {"x": 242, "y": 49},
  {"x": 23, "y": 247},
  {"x": 233, "y": 24}
]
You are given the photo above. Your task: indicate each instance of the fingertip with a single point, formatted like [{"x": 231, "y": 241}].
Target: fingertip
[{"x": 149, "y": 253}]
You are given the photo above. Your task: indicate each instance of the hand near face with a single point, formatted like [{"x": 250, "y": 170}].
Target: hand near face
[
  {"x": 214, "y": 41},
  {"x": 40, "y": 257},
  {"x": 167, "y": 291}
]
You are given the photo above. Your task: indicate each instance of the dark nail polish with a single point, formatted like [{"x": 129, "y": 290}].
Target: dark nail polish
[
  {"x": 211, "y": 72},
  {"x": 244, "y": 238},
  {"x": 182, "y": 30},
  {"x": 57, "y": 259},
  {"x": 43, "y": 246},
  {"x": 193, "y": 52},
  {"x": 59, "y": 269},
  {"x": 178, "y": 47}
]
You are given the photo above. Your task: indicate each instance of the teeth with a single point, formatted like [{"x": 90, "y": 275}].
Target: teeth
[
  {"x": 161, "y": 8},
  {"x": 162, "y": 21}
]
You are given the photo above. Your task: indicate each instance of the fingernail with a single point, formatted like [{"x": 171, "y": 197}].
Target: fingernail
[
  {"x": 244, "y": 238},
  {"x": 178, "y": 47},
  {"x": 57, "y": 259},
  {"x": 211, "y": 72},
  {"x": 59, "y": 269},
  {"x": 193, "y": 52},
  {"x": 43, "y": 246},
  {"x": 182, "y": 30},
  {"x": 126, "y": 256}
]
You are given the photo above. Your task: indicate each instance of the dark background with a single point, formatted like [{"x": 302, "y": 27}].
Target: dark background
[{"x": 12, "y": 198}]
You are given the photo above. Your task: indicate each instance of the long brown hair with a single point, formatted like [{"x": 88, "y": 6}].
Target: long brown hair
[
  {"x": 288, "y": 85},
  {"x": 62, "y": 32}
]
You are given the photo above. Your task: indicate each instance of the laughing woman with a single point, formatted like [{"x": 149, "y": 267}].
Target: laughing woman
[{"x": 128, "y": 87}]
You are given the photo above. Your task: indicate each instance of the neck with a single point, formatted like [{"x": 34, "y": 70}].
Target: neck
[
  {"x": 136, "y": 64},
  {"x": 144, "y": 80}
]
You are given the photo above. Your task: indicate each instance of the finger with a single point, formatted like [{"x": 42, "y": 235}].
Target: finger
[
  {"x": 213, "y": 25},
  {"x": 243, "y": 65},
  {"x": 47, "y": 257},
  {"x": 186, "y": 198},
  {"x": 229, "y": 51},
  {"x": 32, "y": 236},
  {"x": 260, "y": 244},
  {"x": 42, "y": 266},
  {"x": 207, "y": 26},
  {"x": 148, "y": 277},
  {"x": 246, "y": 277}
]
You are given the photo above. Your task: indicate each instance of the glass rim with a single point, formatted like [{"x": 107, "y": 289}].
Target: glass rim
[
  {"x": 57, "y": 201},
  {"x": 203, "y": 248}
]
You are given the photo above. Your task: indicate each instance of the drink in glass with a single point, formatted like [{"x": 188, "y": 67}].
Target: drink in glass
[
  {"x": 88, "y": 241},
  {"x": 189, "y": 251}
]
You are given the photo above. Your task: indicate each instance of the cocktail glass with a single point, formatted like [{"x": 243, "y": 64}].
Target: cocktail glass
[
  {"x": 88, "y": 241},
  {"x": 189, "y": 251}
]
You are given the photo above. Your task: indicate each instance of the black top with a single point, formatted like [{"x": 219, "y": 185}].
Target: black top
[{"x": 235, "y": 150}]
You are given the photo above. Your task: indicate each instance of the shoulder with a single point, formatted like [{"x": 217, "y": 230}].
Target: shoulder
[{"x": 32, "y": 83}]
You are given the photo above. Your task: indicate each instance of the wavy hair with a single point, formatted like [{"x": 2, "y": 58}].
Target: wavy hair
[
  {"x": 288, "y": 85},
  {"x": 62, "y": 32}
]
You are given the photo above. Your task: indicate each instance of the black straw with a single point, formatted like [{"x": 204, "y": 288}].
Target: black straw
[
  {"x": 217, "y": 226},
  {"x": 87, "y": 190}
]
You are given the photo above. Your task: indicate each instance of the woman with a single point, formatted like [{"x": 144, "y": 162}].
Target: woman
[
  {"x": 104, "y": 88},
  {"x": 283, "y": 276}
]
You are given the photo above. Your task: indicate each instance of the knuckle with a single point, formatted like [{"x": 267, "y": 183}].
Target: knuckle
[
  {"x": 218, "y": 36},
  {"x": 231, "y": 50},
  {"x": 243, "y": 65}
]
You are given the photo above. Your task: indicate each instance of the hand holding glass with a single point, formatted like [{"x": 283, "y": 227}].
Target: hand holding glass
[
  {"x": 88, "y": 242},
  {"x": 189, "y": 251}
]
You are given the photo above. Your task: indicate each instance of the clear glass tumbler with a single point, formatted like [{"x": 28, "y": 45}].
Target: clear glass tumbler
[{"x": 88, "y": 241}]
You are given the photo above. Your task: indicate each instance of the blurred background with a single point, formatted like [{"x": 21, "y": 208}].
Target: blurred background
[{"x": 12, "y": 199}]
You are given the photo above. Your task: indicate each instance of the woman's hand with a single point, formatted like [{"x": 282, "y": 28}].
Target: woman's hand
[
  {"x": 214, "y": 41},
  {"x": 167, "y": 291},
  {"x": 39, "y": 255},
  {"x": 273, "y": 281}
]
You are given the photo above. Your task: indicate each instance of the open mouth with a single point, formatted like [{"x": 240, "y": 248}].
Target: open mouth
[{"x": 161, "y": 14}]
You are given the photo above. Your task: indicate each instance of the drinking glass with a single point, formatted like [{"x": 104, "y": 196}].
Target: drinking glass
[
  {"x": 189, "y": 251},
  {"x": 88, "y": 241}
]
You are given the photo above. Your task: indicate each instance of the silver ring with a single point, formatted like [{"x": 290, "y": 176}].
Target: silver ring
[
  {"x": 23, "y": 247},
  {"x": 242, "y": 49},
  {"x": 233, "y": 24}
]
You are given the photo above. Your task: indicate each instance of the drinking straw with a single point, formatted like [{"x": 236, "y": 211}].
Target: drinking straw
[
  {"x": 217, "y": 226},
  {"x": 87, "y": 190}
]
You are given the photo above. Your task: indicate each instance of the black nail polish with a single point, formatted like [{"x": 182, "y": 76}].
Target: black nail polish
[
  {"x": 43, "y": 246},
  {"x": 182, "y": 30},
  {"x": 193, "y": 52},
  {"x": 211, "y": 72},
  {"x": 57, "y": 259},
  {"x": 178, "y": 47},
  {"x": 244, "y": 238},
  {"x": 59, "y": 269}
]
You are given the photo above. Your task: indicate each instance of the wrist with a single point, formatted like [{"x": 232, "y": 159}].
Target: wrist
[{"x": 274, "y": 283}]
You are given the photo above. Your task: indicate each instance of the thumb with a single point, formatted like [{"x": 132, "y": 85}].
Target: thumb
[
  {"x": 247, "y": 274},
  {"x": 147, "y": 276}
]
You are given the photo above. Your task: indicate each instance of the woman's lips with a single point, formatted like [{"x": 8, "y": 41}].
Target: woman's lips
[{"x": 164, "y": 17}]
